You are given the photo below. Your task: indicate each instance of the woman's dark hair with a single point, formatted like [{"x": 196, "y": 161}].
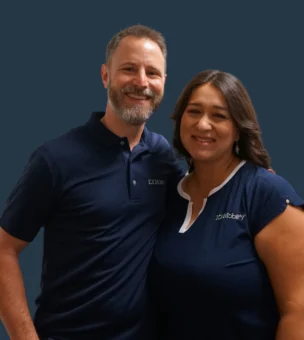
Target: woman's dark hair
[{"x": 240, "y": 108}]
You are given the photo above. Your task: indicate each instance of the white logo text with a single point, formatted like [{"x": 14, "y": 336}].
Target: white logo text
[
  {"x": 232, "y": 216},
  {"x": 156, "y": 181}
]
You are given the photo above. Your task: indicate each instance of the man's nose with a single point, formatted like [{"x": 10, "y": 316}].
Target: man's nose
[{"x": 141, "y": 79}]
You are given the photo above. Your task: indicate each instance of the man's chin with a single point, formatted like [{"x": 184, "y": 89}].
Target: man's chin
[
  {"x": 132, "y": 117},
  {"x": 135, "y": 121}
]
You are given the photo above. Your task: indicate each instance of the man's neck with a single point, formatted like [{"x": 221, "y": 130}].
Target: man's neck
[{"x": 120, "y": 128}]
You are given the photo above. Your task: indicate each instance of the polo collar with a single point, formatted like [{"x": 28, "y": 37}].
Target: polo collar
[{"x": 108, "y": 138}]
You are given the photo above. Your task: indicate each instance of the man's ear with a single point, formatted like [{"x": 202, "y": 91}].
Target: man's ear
[{"x": 104, "y": 72}]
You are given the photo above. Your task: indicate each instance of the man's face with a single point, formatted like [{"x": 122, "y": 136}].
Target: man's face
[{"x": 135, "y": 79}]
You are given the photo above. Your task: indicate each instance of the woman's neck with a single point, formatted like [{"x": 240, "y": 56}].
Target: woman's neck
[{"x": 207, "y": 176}]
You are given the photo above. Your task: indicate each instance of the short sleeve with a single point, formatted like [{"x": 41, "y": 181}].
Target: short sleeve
[
  {"x": 28, "y": 205},
  {"x": 271, "y": 195}
]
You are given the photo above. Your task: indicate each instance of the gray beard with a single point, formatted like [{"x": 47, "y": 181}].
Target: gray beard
[
  {"x": 136, "y": 115},
  {"x": 133, "y": 115}
]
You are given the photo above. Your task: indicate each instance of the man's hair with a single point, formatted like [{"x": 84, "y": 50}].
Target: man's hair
[
  {"x": 138, "y": 31},
  {"x": 240, "y": 108}
]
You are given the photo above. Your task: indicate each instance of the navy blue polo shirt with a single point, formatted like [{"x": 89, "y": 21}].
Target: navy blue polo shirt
[
  {"x": 207, "y": 280},
  {"x": 101, "y": 206}
]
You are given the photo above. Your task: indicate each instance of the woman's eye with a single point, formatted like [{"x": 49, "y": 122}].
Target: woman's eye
[{"x": 219, "y": 115}]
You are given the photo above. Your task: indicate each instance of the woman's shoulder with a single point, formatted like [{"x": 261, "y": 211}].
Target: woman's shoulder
[
  {"x": 267, "y": 196},
  {"x": 266, "y": 180}
]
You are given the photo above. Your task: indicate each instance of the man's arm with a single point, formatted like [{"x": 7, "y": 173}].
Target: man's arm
[
  {"x": 14, "y": 311},
  {"x": 26, "y": 210}
]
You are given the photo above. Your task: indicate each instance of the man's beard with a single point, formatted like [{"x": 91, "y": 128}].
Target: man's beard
[{"x": 136, "y": 114}]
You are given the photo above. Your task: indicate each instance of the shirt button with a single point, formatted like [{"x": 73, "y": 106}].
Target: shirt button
[
  {"x": 122, "y": 143},
  {"x": 287, "y": 201},
  {"x": 134, "y": 182}
]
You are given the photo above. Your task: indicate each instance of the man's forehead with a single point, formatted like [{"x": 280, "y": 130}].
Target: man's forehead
[
  {"x": 134, "y": 48},
  {"x": 132, "y": 42}
]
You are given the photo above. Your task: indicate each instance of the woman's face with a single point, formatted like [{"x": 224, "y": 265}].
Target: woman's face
[{"x": 207, "y": 130}]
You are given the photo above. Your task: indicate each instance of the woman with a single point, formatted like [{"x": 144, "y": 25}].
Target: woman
[{"x": 229, "y": 261}]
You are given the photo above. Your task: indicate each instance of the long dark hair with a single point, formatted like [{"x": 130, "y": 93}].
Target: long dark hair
[{"x": 240, "y": 108}]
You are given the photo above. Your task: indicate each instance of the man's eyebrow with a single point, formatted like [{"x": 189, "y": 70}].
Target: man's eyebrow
[{"x": 125, "y": 63}]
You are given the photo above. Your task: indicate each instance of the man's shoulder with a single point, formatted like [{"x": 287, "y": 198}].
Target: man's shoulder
[
  {"x": 64, "y": 144},
  {"x": 164, "y": 151},
  {"x": 157, "y": 142}
]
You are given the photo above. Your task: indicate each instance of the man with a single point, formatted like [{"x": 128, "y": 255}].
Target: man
[{"x": 100, "y": 192}]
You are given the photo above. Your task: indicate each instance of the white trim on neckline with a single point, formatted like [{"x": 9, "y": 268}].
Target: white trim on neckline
[{"x": 183, "y": 194}]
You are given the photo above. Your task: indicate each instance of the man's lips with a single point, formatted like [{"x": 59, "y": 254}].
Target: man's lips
[{"x": 137, "y": 96}]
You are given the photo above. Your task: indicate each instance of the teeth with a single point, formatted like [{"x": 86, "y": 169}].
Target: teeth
[
  {"x": 136, "y": 96},
  {"x": 204, "y": 140}
]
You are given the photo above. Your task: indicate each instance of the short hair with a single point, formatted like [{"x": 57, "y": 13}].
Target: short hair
[
  {"x": 139, "y": 31},
  {"x": 240, "y": 108}
]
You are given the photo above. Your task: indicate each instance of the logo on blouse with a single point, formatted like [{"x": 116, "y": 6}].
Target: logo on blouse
[
  {"x": 231, "y": 216},
  {"x": 152, "y": 181}
]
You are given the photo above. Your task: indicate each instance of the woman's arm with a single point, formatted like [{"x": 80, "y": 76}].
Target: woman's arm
[{"x": 280, "y": 246}]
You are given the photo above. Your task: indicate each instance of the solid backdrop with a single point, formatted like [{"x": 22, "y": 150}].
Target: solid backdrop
[{"x": 50, "y": 57}]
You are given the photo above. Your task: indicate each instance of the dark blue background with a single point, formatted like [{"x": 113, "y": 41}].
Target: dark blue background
[{"x": 51, "y": 54}]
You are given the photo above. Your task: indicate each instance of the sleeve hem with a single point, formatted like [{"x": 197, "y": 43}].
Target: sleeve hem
[
  {"x": 278, "y": 212},
  {"x": 16, "y": 234}
]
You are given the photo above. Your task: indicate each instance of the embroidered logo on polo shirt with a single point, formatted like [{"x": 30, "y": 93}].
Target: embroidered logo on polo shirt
[
  {"x": 152, "y": 181},
  {"x": 232, "y": 216}
]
